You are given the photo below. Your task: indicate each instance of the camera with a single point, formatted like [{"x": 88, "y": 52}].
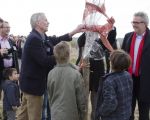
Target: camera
[
  {"x": 10, "y": 50},
  {"x": 9, "y": 55}
]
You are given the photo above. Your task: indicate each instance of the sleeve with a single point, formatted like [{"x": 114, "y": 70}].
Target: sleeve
[
  {"x": 112, "y": 36},
  {"x": 81, "y": 44},
  {"x": 110, "y": 102},
  {"x": 80, "y": 96},
  {"x": 50, "y": 88},
  {"x": 81, "y": 40},
  {"x": 55, "y": 40},
  {"x": 79, "y": 56}
]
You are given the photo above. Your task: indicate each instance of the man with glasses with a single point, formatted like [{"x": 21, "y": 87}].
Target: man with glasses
[
  {"x": 8, "y": 48},
  {"x": 8, "y": 53},
  {"x": 137, "y": 44}
]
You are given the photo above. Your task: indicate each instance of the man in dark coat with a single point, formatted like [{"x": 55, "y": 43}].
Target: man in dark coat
[
  {"x": 137, "y": 44},
  {"x": 36, "y": 61}
]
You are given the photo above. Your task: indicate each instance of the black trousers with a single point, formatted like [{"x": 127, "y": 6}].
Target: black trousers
[{"x": 142, "y": 106}]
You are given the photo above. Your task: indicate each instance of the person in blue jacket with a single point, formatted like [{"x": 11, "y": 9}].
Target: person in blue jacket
[
  {"x": 11, "y": 100},
  {"x": 37, "y": 61},
  {"x": 115, "y": 92}
]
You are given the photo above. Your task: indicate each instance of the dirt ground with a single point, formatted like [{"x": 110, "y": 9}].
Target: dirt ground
[{"x": 89, "y": 111}]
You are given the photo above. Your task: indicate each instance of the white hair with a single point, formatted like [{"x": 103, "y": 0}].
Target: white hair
[
  {"x": 144, "y": 16},
  {"x": 34, "y": 18}
]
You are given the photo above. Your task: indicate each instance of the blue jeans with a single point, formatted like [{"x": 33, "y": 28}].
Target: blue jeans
[{"x": 46, "y": 110}]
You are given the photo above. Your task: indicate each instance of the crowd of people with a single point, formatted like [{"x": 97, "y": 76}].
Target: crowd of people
[{"x": 47, "y": 86}]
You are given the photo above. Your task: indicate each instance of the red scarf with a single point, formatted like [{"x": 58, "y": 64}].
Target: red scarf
[{"x": 139, "y": 54}]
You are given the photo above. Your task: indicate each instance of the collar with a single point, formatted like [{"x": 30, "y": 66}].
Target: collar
[
  {"x": 67, "y": 64},
  {"x": 140, "y": 35},
  {"x": 3, "y": 38},
  {"x": 62, "y": 65},
  {"x": 39, "y": 34}
]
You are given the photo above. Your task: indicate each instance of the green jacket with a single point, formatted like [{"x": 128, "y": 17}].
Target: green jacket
[{"x": 66, "y": 93}]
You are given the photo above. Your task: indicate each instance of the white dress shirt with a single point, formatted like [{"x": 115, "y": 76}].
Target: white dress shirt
[
  {"x": 136, "y": 48},
  {"x": 5, "y": 44}
]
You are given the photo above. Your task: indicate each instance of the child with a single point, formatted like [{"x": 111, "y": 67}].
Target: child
[
  {"x": 11, "y": 92},
  {"x": 115, "y": 95},
  {"x": 65, "y": 87}
]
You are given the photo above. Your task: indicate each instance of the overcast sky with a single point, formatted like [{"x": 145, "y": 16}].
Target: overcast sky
[{"x": 65, "y": 15}]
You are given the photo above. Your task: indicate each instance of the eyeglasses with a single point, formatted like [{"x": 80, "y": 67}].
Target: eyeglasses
[
  {"x": 5, "y": 27},
  {"x": 136, "y": 22}
]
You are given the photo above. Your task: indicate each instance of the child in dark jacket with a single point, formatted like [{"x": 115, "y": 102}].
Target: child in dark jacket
[
  {"x": 11, "y": 92},
  {"x": 115, "y": 94}
]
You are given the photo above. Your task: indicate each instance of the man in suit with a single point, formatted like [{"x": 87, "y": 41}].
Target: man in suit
[
  {"x": 137, "y": 44},
  {"x": 37, "y": 60}
]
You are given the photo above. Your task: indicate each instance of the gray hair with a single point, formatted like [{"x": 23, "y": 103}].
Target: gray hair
[
  {"x": 34, "y": 18},
  {"x": 144, "y": 16},
  {"x": 62, "y": 52}
]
